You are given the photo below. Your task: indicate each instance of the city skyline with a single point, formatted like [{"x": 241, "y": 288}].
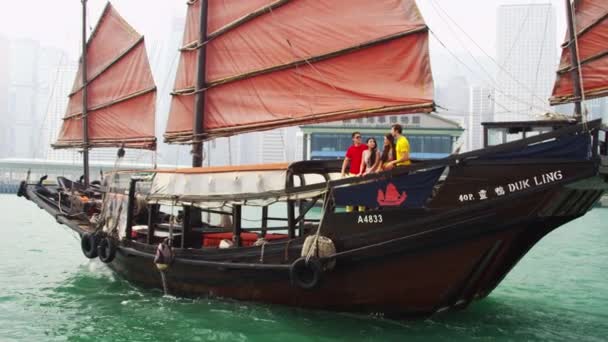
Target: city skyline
[
  {"x": 458, "y": 69},
  {"x": 441, "y": 16}
]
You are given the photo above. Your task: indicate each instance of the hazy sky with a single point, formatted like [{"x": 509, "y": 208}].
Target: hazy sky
[{"x": 57, "y": 22}]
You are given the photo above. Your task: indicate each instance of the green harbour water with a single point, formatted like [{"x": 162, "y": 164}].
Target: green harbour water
[{"x": 50, "y": 292}]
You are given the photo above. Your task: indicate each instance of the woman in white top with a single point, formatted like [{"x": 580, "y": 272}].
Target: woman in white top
[{"x": 370, "y": 161}]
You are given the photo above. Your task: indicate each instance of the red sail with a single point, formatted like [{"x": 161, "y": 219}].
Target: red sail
[
  {"x": 591, "y": 18},
  {"x": 275, "y": 63},
  {"x": 121, "y": 91}
]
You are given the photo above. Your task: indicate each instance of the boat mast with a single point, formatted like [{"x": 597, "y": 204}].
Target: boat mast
[
  {"x": 199, "y": 99},
  {"x": 85, "y": 126},
  {"x": 574, "y": 70}
]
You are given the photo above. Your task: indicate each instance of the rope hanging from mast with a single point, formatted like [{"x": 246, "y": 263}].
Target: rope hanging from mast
[{"x": 580, "y": 73}]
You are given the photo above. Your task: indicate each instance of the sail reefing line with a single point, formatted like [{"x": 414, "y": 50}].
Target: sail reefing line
[
  {"x": 591, "y": 21},
  {"x": 306, "y": 62},
  {"x": 120, "y": 90}
]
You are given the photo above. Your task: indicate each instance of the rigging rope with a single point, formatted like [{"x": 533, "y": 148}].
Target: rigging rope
[
  {"x": 311, "y": 65},
  {"x": 540, "y": 57},
  {"x": 312, "y": 251},
  {"x": 48, "y": 105},
  {"x": 497, "y": 89},
  {"x": 172, "y": 220},
  {"x": 492, "y": 82},
  {"x": 580, "y": 70}
]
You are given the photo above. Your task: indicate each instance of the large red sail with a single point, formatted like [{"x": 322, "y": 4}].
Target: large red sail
[
  {"x": 121, "y": 91},
  {"x": 591, "y": 21},
  {"x": 275, "y": 63}
]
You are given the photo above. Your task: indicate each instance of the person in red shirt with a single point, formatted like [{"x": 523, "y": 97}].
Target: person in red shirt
[{"x": 354, "y": 155}]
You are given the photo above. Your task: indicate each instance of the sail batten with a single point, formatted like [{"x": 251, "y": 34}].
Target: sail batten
[
  {"x": 92, "y": 77},
  {"x": 300, "y": 62},
  {"x": 121, "y": 93},
  {"x": 113, "y": 102},
  {"x": 591, "y": 18},
  {"x": 246, "y": 18}
]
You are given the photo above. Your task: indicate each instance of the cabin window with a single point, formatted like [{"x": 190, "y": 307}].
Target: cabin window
[
  {"x": 496, "y": 136},
  {"x": 405, "y": 120},
  {"x": 416, "y": 120},
  {"x": 515, "y": 136}
]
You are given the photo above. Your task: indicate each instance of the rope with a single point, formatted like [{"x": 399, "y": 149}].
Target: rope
[
  {"x": 516, "y": 99},
  {"x": 286, "y": 256},
  {"x": 171, "y": 222},
  {"x": 48, "y": 105},
  {"x": 540, "y": 57},
  {"x": 60, "y": 210},
  {"x": 313, "y": 250},
  {"x": 580, "y": 71},
  {"x": 117, "y": 218},
  {"x": 493, "y": 83},
  {"x": 305, "y": 59},
  {"x": 262, "y": 252}
]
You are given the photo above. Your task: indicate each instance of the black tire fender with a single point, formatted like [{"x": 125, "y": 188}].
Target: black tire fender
[
  {"x": 88, "y": 244},
  {"x": 106, "y": 250},
  {"x": 306, "y": 274},
  {"x": 22, "y": 192}
]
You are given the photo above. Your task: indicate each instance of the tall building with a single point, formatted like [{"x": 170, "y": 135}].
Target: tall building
[
  {"x": 23, "y": 98},
  {"x": 164, "y": 66},
  {"x": 455, "y": 97},
  {"x": 453, "y": 101},
  {"x": 527, "y": 55},
  {"x": 481, "y": 110},
  {"x": 274, "y": 146},
  {"x": 4, "y": 86},
  {"x": 61, "y": 84},
  {"x": 55, "y": 76},
  {"x": 597, "y": 109}
]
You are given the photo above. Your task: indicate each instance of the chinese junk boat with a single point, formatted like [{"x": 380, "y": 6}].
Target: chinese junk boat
[{"x": 436, "y": 234}]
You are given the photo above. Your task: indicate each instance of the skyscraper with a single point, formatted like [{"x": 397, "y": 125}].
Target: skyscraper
[
  {"x": 4, "y": 84},
  {"x": 164, "y": 67},
  {"x": 481, "y": 110},
  {"x": 527, "y": 56},
  {"x": 61, "y": 85},
  {"x": 455, "y": 99},
  {"x": 22, "y": 97}
]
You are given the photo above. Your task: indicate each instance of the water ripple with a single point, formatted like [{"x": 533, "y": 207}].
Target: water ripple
[{"x": 559, "y": 291}]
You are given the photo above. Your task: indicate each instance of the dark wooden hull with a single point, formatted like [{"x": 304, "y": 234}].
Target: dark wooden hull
[
  {"x": 436, "y": 271},
  {"x": 411, "y": 262}
]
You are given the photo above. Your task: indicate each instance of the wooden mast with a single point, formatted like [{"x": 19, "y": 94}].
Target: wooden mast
[
  {"x": 199, "y": 99},
  {"x": 574, "y": 70},
  {"x": 85, "y": 125}
]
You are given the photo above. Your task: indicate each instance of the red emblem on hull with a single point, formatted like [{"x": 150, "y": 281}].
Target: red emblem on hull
[{"x": 391, "y": 198}]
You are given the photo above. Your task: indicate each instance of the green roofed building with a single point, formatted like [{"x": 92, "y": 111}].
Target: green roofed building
[{"x": 430, "y": 135}]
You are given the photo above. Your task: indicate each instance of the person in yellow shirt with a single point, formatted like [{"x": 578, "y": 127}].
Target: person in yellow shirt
[{"x": 402, "y": 147}]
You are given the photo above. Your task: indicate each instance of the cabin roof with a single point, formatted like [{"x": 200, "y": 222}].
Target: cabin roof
[
  {"x": 531, "y": 123},
  {"x": 222, "y": 169}
]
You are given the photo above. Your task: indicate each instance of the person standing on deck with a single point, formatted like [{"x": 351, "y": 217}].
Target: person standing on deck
[
  {"x": 354, "y": 155},
  {"x": 402, "y": 147},
  {"x": 388, "y": 152},
  {"x": 371, "y": 158}
]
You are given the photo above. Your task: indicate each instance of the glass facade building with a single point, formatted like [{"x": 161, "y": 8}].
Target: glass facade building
[{"x": 430, "y": 136}]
